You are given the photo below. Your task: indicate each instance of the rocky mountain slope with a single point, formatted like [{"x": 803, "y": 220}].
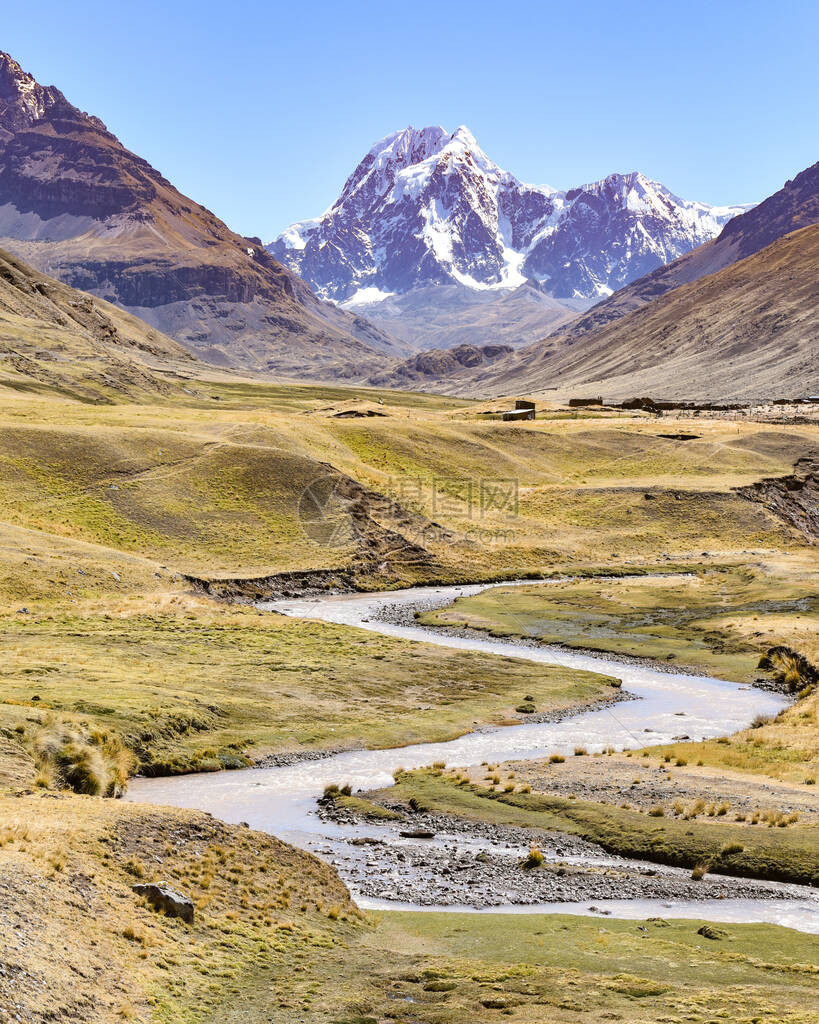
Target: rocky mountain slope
[
  {"x": 438, "y": 364},
  {"x": 78, "y": 205},
  {"x": 748, "y": 331},
  {"x": 54, "y": 339},
  {"x": 425, "y": 207},
  {"x": 445, "y": 316},
  {"x": 795, "y": 205}
]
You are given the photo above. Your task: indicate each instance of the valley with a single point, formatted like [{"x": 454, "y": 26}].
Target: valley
[
  {"x": 97, "y": 582},
  {"x": 413, "y": 619}
]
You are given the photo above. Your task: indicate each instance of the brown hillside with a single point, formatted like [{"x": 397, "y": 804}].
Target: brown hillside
[
  {"x": 794, "y": 206},
  {"x": 750, "y": 330},
  {"x": 56, "y": 339},
  {"x": 78, "y": 205}
]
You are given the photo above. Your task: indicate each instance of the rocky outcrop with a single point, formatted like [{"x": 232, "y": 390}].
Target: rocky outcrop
[
  {"x": 793, "y": 499},
  {"x": 167, "y": 900},
  {"x": 438, "y": 364}
]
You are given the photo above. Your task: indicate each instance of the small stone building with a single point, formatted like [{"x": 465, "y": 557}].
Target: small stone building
[{"x": 524, "y": 410}]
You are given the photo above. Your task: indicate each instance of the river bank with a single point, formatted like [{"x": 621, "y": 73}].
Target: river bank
[
  {"x": 467, "y": 864},
  {"x": 483, "y": 864}
]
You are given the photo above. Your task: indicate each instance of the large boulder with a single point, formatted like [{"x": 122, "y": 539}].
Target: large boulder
[{"x": 166, "y": 899}]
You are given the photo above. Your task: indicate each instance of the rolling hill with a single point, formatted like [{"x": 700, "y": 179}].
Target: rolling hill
[{"x": 57, "y": 340}]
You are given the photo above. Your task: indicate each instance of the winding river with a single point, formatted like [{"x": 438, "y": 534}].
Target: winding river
[{"x": 282, "y": 800}]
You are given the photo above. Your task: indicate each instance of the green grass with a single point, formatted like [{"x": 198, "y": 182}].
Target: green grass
[
  {"x": 782, "y": 854},
  {"x": 192, "y": 685},
  {"x": 717, "y": 621},
  {"x": 536, "y": 968}
]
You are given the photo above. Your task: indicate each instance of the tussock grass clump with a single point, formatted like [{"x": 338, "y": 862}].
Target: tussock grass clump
[
  {"x": 534, "y": 859},
  {"x": 334, "y": 790},
  {"x": 791, "y": 669},
  {"x": 556, "y": 759},
  {"x": 69, "y": 756}
]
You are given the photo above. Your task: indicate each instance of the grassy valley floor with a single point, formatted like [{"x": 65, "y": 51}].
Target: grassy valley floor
[
  {"x": 275, "y": 937},
  {"x": 112, "y": 663}
]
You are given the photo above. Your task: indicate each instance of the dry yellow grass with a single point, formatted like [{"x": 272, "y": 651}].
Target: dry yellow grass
[
  {"x": 102, "y": 508},
  {"x": 78, "y": 944}
]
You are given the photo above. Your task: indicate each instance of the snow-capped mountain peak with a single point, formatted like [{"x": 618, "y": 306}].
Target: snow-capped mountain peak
[{"x": 428, "y": 207}]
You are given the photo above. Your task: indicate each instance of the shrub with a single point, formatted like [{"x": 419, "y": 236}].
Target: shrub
[
  {"x": 556, "y": 759},
  {"x": 534, "y": 859},
  {"x": 792, "y": 670},
  {"x": 67, "y": 756},
  {"x": 580, "y": 751}
]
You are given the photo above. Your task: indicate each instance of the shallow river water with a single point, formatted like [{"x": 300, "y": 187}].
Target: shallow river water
[{"x": 282, "y": 800}]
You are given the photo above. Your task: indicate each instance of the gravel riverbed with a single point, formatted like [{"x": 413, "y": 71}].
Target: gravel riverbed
[{"x": 480, "y": 865}]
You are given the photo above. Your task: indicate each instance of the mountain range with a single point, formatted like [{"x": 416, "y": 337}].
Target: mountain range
[
  {"x": 79, "y": 206},
  {"x": 738, "y": 317},
  {"x": 427, "y": 208},
  {"x": 434, "y": 269}
]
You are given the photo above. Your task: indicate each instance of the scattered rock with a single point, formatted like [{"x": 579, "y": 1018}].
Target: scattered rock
[{"x": 168, "y": 900}]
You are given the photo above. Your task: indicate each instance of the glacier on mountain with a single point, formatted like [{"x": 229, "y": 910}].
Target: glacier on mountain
[{"x": 426, "y": 207}]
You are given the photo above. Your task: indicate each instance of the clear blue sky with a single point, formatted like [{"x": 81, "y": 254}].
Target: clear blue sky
[{"x": 260, "y": 110}]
